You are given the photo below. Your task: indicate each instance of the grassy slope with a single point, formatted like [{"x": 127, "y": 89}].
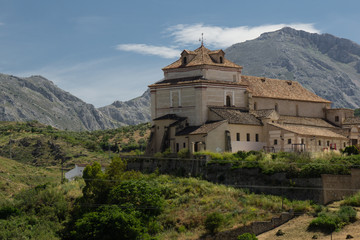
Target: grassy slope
[
  {"x": 15, "y": 176},
  {"x": 41, "y": 145}
]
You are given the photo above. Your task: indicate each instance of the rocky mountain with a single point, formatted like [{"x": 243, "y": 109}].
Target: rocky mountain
[
  {"x": 132, "y": 112},
  {"x": 324, "y": 64},
  {"x": 36, "y": 98}
]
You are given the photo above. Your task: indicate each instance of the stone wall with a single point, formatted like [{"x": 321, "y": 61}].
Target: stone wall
[
  {"x": 322, "y": 190},
  {"x": 255, "y": 228}
]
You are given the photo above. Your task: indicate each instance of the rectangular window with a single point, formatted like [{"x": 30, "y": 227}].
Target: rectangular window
[
  {"x": 328, "y": 143},
  {"x": 184, "y": 145},
  {"x": 237, "y": 136},
  {"x": 336, "y": 118},
  {"x": 289, "y": 141},
  {"x": 302, "y": 141},
  {"x": 256, "y": 137},
  {"x": 248, "y": 137},
  {"x": 275, "y": 141},
  {"x": 177, "y": 147},
  {"x": 319, "y": 142}
]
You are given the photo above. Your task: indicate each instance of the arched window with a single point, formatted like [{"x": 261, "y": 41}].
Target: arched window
[
  {"x": 228, "y": 101},
  {"x": 221, "y": 59}
]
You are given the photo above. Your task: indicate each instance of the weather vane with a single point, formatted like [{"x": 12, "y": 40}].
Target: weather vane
[{"x": 202, "y": 39}]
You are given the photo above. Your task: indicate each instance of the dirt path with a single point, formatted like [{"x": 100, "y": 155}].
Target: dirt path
[{"x": 295, "y": 229}]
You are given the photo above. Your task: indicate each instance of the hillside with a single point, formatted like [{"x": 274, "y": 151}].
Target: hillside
[
  {"x": 322, "y": 63},
  {"x": 132, "y": 112},
  {"x": 40, "y": 145},
  {"x": 16, "y": 176}
]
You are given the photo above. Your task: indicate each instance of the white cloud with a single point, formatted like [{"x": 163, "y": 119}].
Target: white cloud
[
  {"x": 214, "y": 36},
  {"x": 164, "y": 52},
  {"x": 222, "y": 37}
]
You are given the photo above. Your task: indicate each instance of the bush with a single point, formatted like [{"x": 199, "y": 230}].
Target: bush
[
  {"x": 352, "y": 200},
  {"x": 213, "y": 222},
  {"x": 330, "y": 221},
  {"x": 7, "y": 211},
  {"x": 247, "y": 236},
  {"x": 351, "y": 150}
]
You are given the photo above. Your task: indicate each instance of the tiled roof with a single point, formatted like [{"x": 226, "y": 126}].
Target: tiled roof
[
  {"x": 203, "y": 129},
  {"x": 193, "y": 80},
  {"x": 169, "y": 117},
  {"x": 235, "y": 115},
  {"x": 351, "y": 121},
  {"x": 280, "y": 89},
  {"x": 202, "y": 56},
  {"x": 308, "y": 131},
  {"x": 316, "y": 122},
  {"x": 264, "y": 113}
]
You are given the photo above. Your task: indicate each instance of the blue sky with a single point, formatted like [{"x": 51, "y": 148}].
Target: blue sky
[{"x": 102, "y": 51}]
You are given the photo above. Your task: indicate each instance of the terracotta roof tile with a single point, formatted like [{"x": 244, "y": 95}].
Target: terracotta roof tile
[
  {"x": 235, "y": 115},
  {"x": 264, "y": 113},
  {"x": 308, "y": 131},
  {"x": 203, "y": 129},
  {"x": 307, "y": 121},
  {"x": 351, "y": 121},
  {"x": 201, "y": 57},
  {"x": 280, "y": 89}
]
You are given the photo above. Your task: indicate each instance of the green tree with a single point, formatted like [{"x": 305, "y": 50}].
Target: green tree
[
  {"x": 96, "y": 186},
  {"x": 140, "y": 194},
  {"x": 110, "y": 222}
]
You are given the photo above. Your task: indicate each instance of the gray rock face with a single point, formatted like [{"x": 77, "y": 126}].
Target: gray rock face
[
  {"x": 132, "y": 112},
  {"x": 36, "y": 98},
  {"x": 324, "y": 64}
]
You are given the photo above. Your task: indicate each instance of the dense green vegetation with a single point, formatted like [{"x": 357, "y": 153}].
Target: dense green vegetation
[
  {"x": 294, "y": 164},
  {"x": 105, "y": 205},
  {"x": 40, "y": 145},
  {"x": 328, "y": 222}
]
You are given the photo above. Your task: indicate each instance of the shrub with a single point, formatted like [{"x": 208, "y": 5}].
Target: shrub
[
  {"x": 7, "y": 211},
  {"x": 351, "y": 150},
  {"x": 247, "y": 236},
  {"x": 213, "y": 222},
  {"x": 353, "y": 200},
  {"x": 184, "y": 153}
]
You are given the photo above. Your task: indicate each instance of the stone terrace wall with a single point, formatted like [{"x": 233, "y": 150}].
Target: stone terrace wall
[
  {"x": 255, "y": 228},
  {"x": 322, "y": 190}
]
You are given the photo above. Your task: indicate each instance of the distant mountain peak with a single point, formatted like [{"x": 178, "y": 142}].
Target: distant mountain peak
[{"x": 323, "y": 63}]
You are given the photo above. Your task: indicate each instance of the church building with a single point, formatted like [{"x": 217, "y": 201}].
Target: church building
[{"x": 205, "y": 103}]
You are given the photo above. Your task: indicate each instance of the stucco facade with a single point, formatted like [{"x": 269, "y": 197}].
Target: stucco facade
[{"x": 205, "y": 103}]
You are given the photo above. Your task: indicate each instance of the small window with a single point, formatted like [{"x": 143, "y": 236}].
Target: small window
[
  {"x": 234, "y": 78},
  {"x": 248, "y": 137},
  {"x": 319, "y": 142},
  {"x": 177, "y": 147},
  {"x": 184, "y": 60},
  {"x": 255, "y": 106},
  {"x": 184, "y": 145},
  {"x": 228, "y": 101},
  {"x": 302, "y": 141},
  {"x": 275, "y": 141},
  {"x": 256, "y": 137},
  {"x": 221, "y": 59},
  {"x": 328, "y": 143},
  {"x": 289, "y": 141},
  {"x": 336, "y": 118},
  {"x": 237, "y": 136},
  {"x": 276, "y": 107},
  {"x": 344, "y": 144}
]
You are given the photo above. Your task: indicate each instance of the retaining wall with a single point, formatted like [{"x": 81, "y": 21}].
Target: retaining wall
[{"x": 322, "y": 190}]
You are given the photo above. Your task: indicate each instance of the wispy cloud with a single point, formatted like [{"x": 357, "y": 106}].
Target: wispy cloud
[
  {"x": 214, "y": 36},
  {"x": 164, "y": 52},
  {"x": 223, "y": 37},
  {"x": 1, "y": 23}
]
